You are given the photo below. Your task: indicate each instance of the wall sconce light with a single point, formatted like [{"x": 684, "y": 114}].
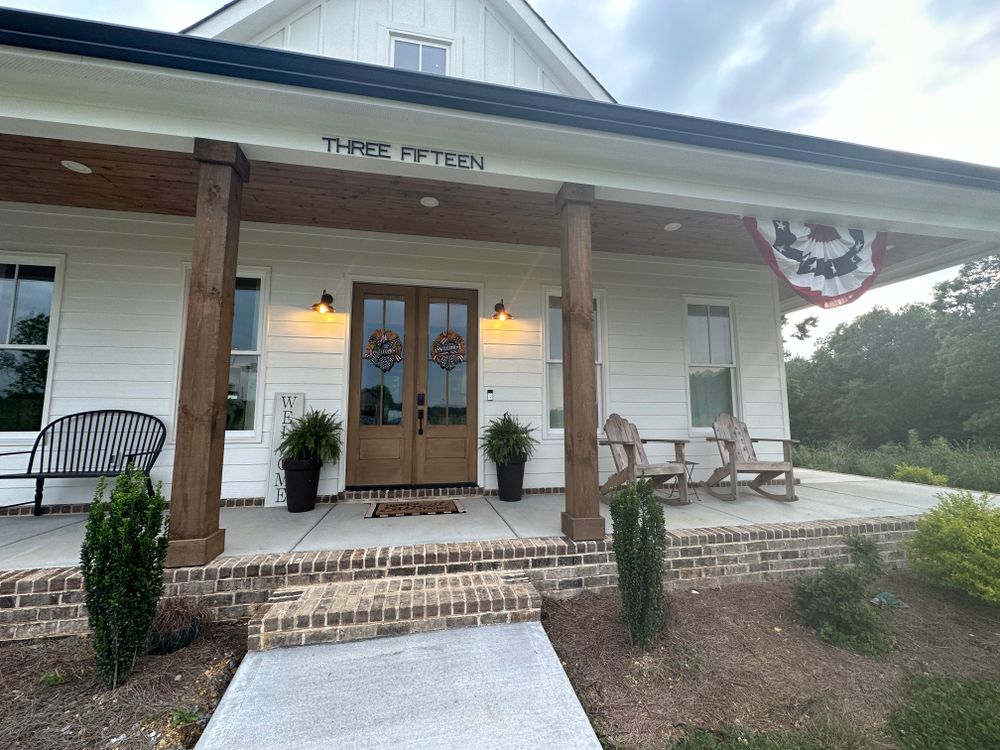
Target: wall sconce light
[
  {"x": 325, "y": 304},
  {"x": 500, "y": 312}
]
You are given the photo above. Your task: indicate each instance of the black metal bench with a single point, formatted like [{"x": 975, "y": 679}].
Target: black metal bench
[{"x": 92, "y": 444}]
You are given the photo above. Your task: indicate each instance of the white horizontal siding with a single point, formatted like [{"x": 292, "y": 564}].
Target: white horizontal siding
[{"x": 122, "y": 309}]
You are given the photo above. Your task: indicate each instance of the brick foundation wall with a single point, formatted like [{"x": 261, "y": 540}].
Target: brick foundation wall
[{"x": 49, "y": 601}]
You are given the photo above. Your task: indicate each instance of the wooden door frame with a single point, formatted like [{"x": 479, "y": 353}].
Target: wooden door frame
[{"x": 347, "y": 293}]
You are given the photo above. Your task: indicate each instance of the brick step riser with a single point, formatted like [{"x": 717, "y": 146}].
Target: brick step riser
[{"x": 367, "y": 631}]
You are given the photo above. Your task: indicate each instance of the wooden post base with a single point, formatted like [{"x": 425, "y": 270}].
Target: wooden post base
[
  {"x": 583, "y": 529},
  {"x": 184, "y": 553}
]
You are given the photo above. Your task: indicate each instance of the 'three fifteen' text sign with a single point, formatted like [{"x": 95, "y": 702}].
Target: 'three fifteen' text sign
[
  {"x": 287, "y": 408},
  {"x": 409, "y": 154}
]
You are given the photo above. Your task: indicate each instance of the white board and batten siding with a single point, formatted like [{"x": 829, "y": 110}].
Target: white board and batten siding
[
  {"x": 481, "y": 45},
  {"x": 121, "y": 315}
]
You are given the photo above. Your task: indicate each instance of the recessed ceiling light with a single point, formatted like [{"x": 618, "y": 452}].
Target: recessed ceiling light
[
  {"x": 672, "y": 226},
  {"x": 890, "y": 247},
  {"x": 75, "y": 166},
  {"x": 429, "y": 201}
]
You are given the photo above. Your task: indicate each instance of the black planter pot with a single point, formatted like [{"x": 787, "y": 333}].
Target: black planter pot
[
  {"x": 301, "y": 484},
  {"x": 510, "y": 480}
]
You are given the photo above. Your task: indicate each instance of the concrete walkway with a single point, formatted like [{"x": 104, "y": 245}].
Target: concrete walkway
[
  {"x": 498, "y": 687},
  {"x": 52, "y": 541}
]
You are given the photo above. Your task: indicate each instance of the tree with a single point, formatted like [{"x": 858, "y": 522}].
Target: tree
[
  {"x": 872, "y": 380},
  {"x": 968, "y": 323}
]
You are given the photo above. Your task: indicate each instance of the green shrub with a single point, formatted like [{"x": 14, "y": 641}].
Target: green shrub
[
  {"x": 639, "y": 542},
  {"x": 970, "y": 466},
  {"x": 834, "y": 602},
  {"x": 919, "y": 475},
  {"x": 124, "y": 547},
  {"x": 958, "y": 544},
  {"x": 941, "y": 712}
]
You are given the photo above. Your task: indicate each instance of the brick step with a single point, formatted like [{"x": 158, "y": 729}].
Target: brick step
[{"x": 374, "y": 608}]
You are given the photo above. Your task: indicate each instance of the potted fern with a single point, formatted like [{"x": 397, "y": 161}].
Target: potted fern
[
  {"x": 310, "y": 442},
  {"x": 509, "y": 444}
]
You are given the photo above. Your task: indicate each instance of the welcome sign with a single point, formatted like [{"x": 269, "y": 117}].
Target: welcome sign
[
  {"x": 287, "y": 408},
  {"x": 409, "y": 154}
]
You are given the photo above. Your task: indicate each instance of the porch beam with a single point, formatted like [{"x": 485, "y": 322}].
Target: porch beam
[
  {"x": 582, "y": 518},
  {"x": 195, "y": 536}
]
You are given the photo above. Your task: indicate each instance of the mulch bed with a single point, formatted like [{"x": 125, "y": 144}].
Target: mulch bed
[
  {"x": 80, "y": 715},
  {"x": 737, "y": 657}
]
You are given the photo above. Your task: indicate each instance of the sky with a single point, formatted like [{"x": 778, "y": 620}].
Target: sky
[{"x": 914, "y": 75}]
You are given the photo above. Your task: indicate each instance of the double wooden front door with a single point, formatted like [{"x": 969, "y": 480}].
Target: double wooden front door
[{"x": 412, "y": 412}]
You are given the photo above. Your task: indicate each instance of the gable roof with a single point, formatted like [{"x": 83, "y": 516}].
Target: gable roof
[{"x": 239, "y": 20}]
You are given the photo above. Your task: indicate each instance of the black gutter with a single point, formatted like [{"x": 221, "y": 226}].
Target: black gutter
[{"x": 194, "y": 54}]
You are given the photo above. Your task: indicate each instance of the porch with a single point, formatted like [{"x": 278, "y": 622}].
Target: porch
[{"x": 54, "y": 540}]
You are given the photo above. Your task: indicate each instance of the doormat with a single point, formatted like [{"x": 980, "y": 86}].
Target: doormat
[{"x": 414, "y": 508}]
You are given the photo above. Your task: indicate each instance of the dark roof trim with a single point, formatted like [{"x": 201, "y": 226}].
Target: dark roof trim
[{"x": 179, "y": 52}]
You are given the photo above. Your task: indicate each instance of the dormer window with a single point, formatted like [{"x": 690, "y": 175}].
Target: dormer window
[{"x": 420, "y": 56}]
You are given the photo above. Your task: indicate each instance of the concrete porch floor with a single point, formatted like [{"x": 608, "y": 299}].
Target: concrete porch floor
[{"x": 54, "y": 541}]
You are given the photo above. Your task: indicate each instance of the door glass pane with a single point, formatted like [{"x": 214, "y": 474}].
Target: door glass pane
[
  {"x": 406, "y": 55},
  {"x": 435, "y": 60},
  {"x": 698, "y": 334},
  {"x": 32, "y": 305},
  {"x": 242, "y": 394},
  {"x": 6, "y": 299},
  {"x": 447, "y": 367},
  {"x": 720, "y": 335},
  {"x": 246, "y": 316},
  {"x": 711, "y": 394},
  {"x": 381, "y": 397},
  {"x": 22, "y": 389}
]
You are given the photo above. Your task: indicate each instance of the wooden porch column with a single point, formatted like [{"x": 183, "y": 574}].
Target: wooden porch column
[
  {"x": 582, "y": 518},
  {"x": 195, "y": 536}
]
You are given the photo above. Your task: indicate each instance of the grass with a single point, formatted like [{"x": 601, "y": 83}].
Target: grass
[
  {"x": 941, "y": 712},
  {"x": 968, "y": 466}
]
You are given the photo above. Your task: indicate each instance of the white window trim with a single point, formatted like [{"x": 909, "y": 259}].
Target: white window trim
[
  {"x": 424, "y": 41},
  {"x": 688, "y": 364},
  {"x": 256, "y": 435},
  {"x": 58, "y": 262},
  {"x": 555, "y": 434}
]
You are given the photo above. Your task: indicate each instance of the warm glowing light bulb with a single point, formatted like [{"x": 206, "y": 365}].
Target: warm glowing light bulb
[
  {"x": 324, "y": 309},
  {"x": 503, "y": 316}
]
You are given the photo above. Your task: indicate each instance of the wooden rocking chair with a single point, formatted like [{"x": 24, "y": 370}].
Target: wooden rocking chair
[
  {"x": 739, "y": 457},
  {"x": 631, "y": 462}
]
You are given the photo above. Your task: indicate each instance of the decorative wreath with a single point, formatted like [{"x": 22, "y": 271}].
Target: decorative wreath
[
  {"x": 448, "y": 350},
  {"x": 384, "y": 349}
]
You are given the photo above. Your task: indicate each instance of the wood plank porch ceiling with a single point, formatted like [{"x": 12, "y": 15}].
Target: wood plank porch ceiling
[{"x": 164, "y": 182}]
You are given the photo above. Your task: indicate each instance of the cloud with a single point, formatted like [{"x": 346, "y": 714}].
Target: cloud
[{"x": 150, "y": 14}]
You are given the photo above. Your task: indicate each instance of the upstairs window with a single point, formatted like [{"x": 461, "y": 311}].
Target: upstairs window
[{"x": 421, "y": 57}]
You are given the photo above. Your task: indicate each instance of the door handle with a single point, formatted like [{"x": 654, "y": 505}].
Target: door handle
[{"x": 420, "y": 421}]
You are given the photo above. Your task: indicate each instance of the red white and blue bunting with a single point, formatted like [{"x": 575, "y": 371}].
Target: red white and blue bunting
[{"x": 827, "y": 266}]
